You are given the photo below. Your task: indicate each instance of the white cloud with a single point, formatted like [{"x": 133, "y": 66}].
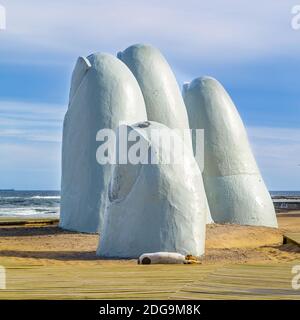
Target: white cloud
[
  {"x": 31, "y": 121},
  {"x": 276, "y": 134},
  {"x": 30, "y": 145},
  {"x": 29, "y": 156},
  {"x": 277, "y": 151},
  {"x": 232, "y": 30},
  {"x": 191, "y": 32},
  {"x": 30, "y": 166}
]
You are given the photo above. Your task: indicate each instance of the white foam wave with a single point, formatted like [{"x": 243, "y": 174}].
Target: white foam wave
[
  {"x": 33, "y": 197},
  {"x": 45, "y": 197},
  {"x": 23, "y": 211}
]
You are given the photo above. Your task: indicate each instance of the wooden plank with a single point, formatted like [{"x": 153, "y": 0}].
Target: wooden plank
[
  {"x": 243, "y": 282},
  {"x": 4, "y": 222},
  {"x": 292, "y": 238},
  {"x": 131, "y": 281},
  {"x": 99, "y": 281}
]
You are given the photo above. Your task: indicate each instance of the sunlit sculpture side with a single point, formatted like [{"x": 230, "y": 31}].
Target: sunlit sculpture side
[
  {"x": 154, "y": 207},
  {"x": 234, "y": 187}
]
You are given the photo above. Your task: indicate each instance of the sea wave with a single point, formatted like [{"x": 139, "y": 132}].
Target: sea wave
[
  {"x": 26, "y": 211},
  {"x": 29, "y": 203},
  {"x": 33, "y": 197},
  {"x": 45, "y": 197}
]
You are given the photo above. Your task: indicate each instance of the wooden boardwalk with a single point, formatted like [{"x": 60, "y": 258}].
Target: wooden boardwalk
[
  {"x": 16, "y": 222},
  {"x": 130, "y": 281},
  {"x": 293, "y": 238},
  {"x": 244, "y": 282}
]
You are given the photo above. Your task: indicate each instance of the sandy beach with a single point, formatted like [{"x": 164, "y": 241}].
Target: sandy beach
[{"x": 50, "y": 245}]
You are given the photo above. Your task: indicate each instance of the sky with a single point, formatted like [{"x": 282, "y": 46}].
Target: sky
[{"x": 249, "y": 46}]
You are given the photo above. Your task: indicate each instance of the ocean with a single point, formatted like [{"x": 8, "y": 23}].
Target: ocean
[
  {"x": 36, "y": 204},
  {"x": 40, "y": 204},
  {"x": 285, "y": 193}
]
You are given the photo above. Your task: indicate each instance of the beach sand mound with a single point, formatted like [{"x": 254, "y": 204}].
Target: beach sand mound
[
  {"x": 228, "y": 236},
  {"x": 225, "y": 243}
]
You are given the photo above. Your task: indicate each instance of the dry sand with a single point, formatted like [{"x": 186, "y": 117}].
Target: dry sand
[{"x": 225, "y": 244}]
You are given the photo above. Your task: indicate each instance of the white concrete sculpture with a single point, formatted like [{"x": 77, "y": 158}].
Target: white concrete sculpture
[
  {"x": 160, "y": 206},
  {"x": 161, "y": 92},
  {"x": 234, "y": 187},
  {"x": 163, "y": 99},
  {"x": 103, "y": 93}
]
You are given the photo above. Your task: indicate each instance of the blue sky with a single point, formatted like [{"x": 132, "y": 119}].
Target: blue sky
[{"x": 249, "y": 46}]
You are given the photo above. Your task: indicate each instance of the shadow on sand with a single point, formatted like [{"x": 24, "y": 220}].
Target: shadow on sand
[
  {"x": 32, "y": 231},
  {"x": 52, "y": 255}
]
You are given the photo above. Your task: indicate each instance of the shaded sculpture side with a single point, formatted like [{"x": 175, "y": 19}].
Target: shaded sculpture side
[{"x": 103, "y": 93}]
